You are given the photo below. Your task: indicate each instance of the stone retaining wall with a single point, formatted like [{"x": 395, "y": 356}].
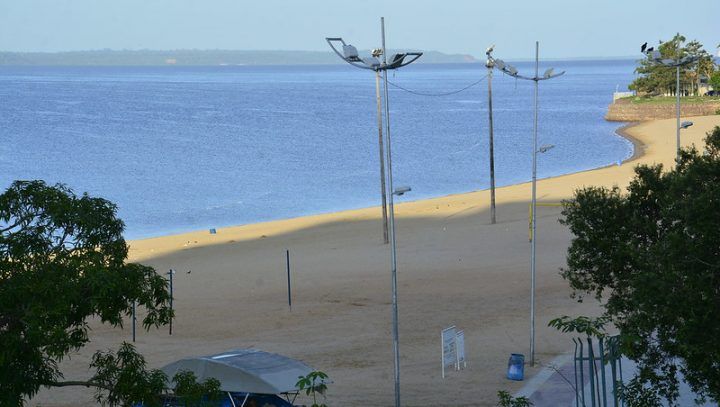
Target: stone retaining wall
[{"x": 629, "y": 112}]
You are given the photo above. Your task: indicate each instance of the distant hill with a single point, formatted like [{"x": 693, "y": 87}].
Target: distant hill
[{"x": 196, "y": 57}]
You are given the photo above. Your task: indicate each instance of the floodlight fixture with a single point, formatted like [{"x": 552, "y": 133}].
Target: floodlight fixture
[
  {"x": 545, "y": 148},
  {"x": 350, "y": 55},
  {"x": 400, "y": 191}
]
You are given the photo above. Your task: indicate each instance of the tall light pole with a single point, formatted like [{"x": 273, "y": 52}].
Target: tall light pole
[
  {"x": 350, "y": 55},
  {"x": 378, "y": 98},
  {"x": 490, "y": 64},
  {"x": 549, "y": 74},
  {"x": 656, "y": 58}
]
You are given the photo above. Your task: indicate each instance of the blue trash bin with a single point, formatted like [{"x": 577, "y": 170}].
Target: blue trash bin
[{"x": 516, "y": 367}]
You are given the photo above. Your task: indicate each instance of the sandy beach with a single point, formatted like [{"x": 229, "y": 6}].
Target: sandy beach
[{"x": 454, "y": 268}]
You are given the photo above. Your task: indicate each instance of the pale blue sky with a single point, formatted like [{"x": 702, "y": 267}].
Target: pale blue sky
[{"x": 565, "y": 28}]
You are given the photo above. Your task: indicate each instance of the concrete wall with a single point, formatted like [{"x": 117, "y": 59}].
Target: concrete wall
[{"x": 628, "y": 112}]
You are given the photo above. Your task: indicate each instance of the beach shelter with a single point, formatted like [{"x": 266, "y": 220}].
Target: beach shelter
[{"x": 245, "y": 370}]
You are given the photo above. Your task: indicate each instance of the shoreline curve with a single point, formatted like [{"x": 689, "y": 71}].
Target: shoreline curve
[{"x": 622, "y": 131}]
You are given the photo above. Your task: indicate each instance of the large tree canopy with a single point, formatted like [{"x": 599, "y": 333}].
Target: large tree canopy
[
  {"x": 62, "y": 261},
  {"x": 657, "y": 79},
  {"x": 652, "y": 255}
]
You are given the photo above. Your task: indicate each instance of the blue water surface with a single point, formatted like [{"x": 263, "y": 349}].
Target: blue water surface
[{"x": 185, "y": 148}]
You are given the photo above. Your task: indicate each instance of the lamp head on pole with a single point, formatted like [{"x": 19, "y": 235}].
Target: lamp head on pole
[
  {"x": 545, "y": 148},
  {"x": 685, "y": 125},
  {"x": 351, "y": 55},
  {"x": 400, "y": 191}
]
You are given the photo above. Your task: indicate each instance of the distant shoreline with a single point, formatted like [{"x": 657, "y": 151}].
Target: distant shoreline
[
  {"x": 224, "y": 57},
  {"x": 194, "y": 58}
]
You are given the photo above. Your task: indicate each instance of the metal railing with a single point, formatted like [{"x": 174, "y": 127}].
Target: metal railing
[{"x": 591, "y": 359}]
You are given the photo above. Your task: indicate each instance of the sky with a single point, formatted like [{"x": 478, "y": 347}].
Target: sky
[{"x": 565, "y": 28}]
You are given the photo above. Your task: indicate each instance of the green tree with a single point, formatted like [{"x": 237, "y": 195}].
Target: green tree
[
  {"x": 592, "y": 327},
  {"x": 313, "y": 384},
  {"x": 656, "y": 79},
  {"x": 704, "y": 66},
  {"x": 192, "y": 393},
  {"x": 651, "y": 255},
  {"x": 715, "y": 81},
  {"x": 62, "y": 261},
  {"x": 505, "y": 399},
  {"x": 122, "y": 379}
]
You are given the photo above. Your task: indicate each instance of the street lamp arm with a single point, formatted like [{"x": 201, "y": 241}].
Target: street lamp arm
[
  {"x": 358, "y": 63},
  {"x": 535, "y": 78},
  {"x": 544, "y": 78},
  {"x": 402, "y": 61}
]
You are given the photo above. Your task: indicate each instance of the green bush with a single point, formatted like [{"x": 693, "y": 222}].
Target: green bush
[{"x": 506, "y": 400}]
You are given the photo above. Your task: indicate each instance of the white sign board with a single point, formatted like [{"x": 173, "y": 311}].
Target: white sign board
[
  {"x": 460, "y": 349},
  {"x": 449, "y": 350}
]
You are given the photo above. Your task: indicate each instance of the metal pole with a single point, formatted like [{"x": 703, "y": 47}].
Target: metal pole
[
  {"x": 582, "y": 371},
  {"x": 382, "y": 159},
  {"x": 677, "y": 108},
  {"x": 287, "y": 257},
  {"x": 171, "y": 298},
  {"x": 601, "y": 351},
  {"x": 393, "y": 254},
  {"x": 133, "y": 320},
  {"x": 492, "y": 153},
  {"x": 534, "y": 220},
  {"x": 591, "y": 369}
]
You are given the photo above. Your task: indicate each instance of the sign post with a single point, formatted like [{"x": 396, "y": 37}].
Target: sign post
[
  {"x": 449, "y": 349},
  {"x": 460, "y": 349}
]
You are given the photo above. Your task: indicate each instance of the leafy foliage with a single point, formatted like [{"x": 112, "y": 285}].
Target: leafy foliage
[
  {"x": 715, "y": 80},
  {"x": 192, "y": 393},
  {"x": 313, "y": 384},
  {"x": 62, "y": 261},
  {"x": 653, "y": 256},
  {"x": 122, "y": 378},
  {"x": 657, "y": 79},
  {"x": 593, "y": 327},
  {"x": 635, "y": 394},
  {"x": 505, "y": 399}
]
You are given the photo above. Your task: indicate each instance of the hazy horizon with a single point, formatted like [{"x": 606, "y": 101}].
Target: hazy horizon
[
  {"x": 566, "y": 29},
  {"x": 478, "y": 58}
]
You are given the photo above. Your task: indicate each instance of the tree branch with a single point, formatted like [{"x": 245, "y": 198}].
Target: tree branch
[{"x": 83, "y": 383}]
